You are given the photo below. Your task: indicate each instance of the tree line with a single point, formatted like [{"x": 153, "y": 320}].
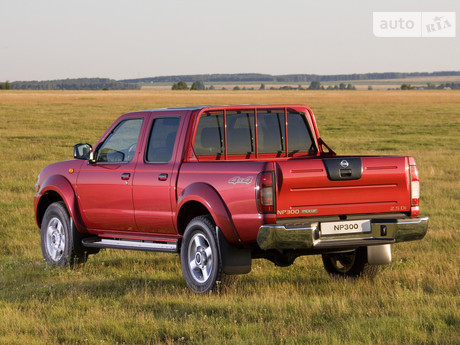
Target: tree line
[
  {"x": 197, "y": 81},
  {"x": 431, "y": 86},
  {"x": 453, "y": 86},
  {"x": 5, "y": 86},
  {"x": 314, "y": 85},
  {"x": 75, "y": 84},
  {"x": 290, "y": 78}
]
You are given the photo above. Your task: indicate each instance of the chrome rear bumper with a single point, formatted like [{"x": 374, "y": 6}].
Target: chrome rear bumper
[{"x": 308, "y": 235}]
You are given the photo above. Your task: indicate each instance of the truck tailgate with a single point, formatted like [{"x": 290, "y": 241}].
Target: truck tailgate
[{"x": 334, "y": 186}]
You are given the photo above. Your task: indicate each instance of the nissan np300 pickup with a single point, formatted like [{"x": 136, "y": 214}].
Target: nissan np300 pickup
[{"x": 222, "y": 185}]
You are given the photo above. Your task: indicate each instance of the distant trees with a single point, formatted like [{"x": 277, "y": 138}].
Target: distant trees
[
  {"x": 5, "y": 86},
  {"x": 453, "y": 86},
  {"x": 200, "y": 85},
  {"x": 407, "y": 87},
  {"x": 180, "y": 82},
  {"x": 75, "y": 84},
  {"x": 197, "y": 85},
  {"x": 291, "y": 78},
  {"x": 431, "y": 86},
  {"x": 315, "y": 85},
  {"x": 343, "y": 86},
  {"x": 181, "y": 85},
  {"x": 351, "y": 87}
]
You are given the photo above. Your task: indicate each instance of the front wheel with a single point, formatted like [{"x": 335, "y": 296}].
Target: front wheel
[
  {"x": 349, "y": 265},
  {"x": 200, "y": 260},
  {"x": 60, "y": 241}
]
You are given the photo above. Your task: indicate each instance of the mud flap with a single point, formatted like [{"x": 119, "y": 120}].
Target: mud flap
[
  {"x": 234, "y": 260},
  {"x": 379, "y": 255}
]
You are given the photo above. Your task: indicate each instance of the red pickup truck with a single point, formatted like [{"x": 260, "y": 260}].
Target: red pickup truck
[{"x": 222, "y": 185}]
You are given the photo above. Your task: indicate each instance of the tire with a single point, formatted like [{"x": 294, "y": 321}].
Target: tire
[
  {"x": 200, "y": 259},
  {"x": 60, "y": 240},
  {"x": 349, "y": 265}
]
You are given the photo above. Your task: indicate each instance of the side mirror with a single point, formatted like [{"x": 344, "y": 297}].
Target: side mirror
[{"x": 83, "y": 151}]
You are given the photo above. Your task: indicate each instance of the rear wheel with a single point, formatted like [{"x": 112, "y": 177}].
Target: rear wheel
[
  {"x": 349, "y": 265},
  {"x": 60, "y": 241},
  {"x": 200, "y": 259}
]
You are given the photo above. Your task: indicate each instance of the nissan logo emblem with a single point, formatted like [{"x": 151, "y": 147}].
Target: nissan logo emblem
[{"x": 344, "y": 164}]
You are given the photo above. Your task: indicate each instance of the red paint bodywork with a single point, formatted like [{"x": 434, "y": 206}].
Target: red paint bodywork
[{"x": 143, "y": 207}]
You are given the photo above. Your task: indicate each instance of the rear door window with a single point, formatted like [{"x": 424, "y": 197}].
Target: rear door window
[{"x": 162, "y": 139}]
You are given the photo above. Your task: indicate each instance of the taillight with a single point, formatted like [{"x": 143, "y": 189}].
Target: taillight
[
  {"x": 414, "y": 186},
  {"x": 265, "y": 192}
]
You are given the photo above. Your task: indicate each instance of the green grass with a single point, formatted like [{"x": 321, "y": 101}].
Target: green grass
[{"x": 122, "y": 297}]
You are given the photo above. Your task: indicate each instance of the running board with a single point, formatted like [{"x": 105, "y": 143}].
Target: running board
[{"x": 97, "y": 242}]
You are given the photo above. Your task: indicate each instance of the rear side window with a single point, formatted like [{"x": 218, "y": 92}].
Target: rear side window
[
  {"x": 240, "y": 133},
  {"x": 162, "y": 138},
  {"x": 271, "y": 131},
  {"x": 209, "y": 139},
  {"x": 299, "y": 138},
  {"x": 280, "y": 132}
]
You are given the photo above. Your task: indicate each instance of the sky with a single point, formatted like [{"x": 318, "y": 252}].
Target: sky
[{"x": 59, "y": 39}]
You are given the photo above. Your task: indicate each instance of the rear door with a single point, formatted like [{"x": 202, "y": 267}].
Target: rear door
[{"x": 154, "y": 187}]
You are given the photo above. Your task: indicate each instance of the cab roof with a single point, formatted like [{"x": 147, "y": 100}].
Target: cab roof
[{"x": 229, "y": 106}]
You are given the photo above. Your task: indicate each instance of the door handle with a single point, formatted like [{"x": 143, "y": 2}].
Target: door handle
[
  {"x": 125, "y": 176},
  {"x": 163, "y": 177}
]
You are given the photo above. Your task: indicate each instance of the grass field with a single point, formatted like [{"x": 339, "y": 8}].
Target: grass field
[{"x": 123, "y": 297}]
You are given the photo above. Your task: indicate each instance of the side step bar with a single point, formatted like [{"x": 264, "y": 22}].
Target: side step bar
[{"x": 97, "y": 242}]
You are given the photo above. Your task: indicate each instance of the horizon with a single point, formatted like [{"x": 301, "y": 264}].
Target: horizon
[{"x": 248, "y": 73}]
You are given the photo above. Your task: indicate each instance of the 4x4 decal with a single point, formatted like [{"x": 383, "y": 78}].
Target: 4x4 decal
[{"x": 243, "y": 180}]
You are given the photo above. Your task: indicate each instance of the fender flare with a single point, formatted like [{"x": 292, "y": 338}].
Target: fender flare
[
  {"x": 206, "y": 195},
  {"x": 60, "y": 185}
]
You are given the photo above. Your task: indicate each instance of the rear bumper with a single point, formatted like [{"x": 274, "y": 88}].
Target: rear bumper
[{"x": 308, "y": 235}]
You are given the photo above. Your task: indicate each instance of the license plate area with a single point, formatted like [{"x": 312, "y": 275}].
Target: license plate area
[{"x": 345, "y": 227}]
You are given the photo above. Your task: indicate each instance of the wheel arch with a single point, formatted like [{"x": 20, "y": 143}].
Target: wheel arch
[
  {"x": 58, "y": 188},
  {"x": 202, "y": 199}
]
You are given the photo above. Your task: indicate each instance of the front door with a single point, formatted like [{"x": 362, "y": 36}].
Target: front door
[{"x": 104, "y": 189}]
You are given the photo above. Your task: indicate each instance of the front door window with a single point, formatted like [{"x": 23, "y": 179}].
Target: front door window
[{"x": 120, "y": 145}]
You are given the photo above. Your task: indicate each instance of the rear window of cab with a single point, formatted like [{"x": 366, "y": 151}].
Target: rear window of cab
[{"x": 245, "y": 134}]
